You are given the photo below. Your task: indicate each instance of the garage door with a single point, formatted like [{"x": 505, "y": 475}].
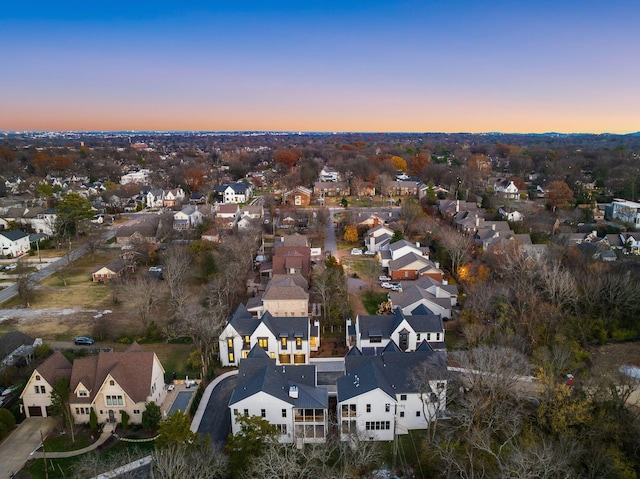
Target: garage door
[{"x": 35, "y": 411}]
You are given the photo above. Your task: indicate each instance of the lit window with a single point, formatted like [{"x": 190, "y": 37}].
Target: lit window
[
  {"x": 263, "y": 343},
  {"x": 298, "y": 343},
  {"x": 283, "y": 343},
  {"x": 230, "y": 343}
]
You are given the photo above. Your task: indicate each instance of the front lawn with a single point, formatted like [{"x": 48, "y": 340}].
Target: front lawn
[
  {"x": 63, "y": 442},
  {"x": 372, "y": 300}
]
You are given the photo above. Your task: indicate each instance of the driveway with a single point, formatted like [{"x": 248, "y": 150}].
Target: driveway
[
  {"x": 216, "y": 419},
  {"x": 17, "y": 448}
]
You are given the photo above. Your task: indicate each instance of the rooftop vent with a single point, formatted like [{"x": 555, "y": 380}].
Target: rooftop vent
[{"x": 293, "y": 392}]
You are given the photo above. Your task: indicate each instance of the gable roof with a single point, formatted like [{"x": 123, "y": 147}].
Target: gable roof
[
  {"x": 391, "y": 372},
  {"x": 260, "y": 374},
  {"x": 13, "y": 340},
  {"x": 55, "y": 367},
  {"x": 132, "y": 370},
  {"x": 14, "y": 235},
  {"x": 385, "y": 325}
]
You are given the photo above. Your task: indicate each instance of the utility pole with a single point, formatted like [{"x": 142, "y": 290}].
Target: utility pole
[{"x": 44, "y": 455}]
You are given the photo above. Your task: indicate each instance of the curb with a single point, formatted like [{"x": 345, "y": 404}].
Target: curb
[{"x": 204, "y": 400}]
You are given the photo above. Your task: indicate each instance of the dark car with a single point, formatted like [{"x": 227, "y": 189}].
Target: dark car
[{"x": 83, "y": 341}]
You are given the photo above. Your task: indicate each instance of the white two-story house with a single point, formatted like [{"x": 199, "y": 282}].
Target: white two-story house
[
  {"x": 382, "y": 396},
  {"x": 371, "y": 334},
  {"x": 285, "y": 395},
  {"x": 285, "y": 339}
]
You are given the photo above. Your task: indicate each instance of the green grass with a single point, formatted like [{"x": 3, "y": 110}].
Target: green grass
[
  {"x": 63, "y": 443},
  {"x": 371, "y": 300},
  {"x": 409, "y": 452},
  {"x": 452, "y": 340},
  {"x": 173, "y": 357}
]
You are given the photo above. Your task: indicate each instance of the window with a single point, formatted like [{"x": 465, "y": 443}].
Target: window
[
  {"x": 112, "y": 383},
  {"x": 282, "y": 429},
  {"x": 114, "y": 401},
  {"x": 417, "y": 413},
  {"x": 82, "y": 393},
  {"x": 136, "y": 411},
  {"x": 77, "y": 410},
  {"x": 417, "y": 336},
  {"x": 284, "y": 413},
  {"x": 401, "y": 413},
  {"x": 298, "y": 343},
  {"x": 404, "y": 341},
  {"x": 263, "y": 412},
  {"x": 231, "y": 357},
  {"x": 403, "y": 397},
  {"x": 246, "y": 412},
  {"x": 368, "y": 407},
  {"x": 235, "y": 412},
  {"x": 40, "y": 389},
  {"x": 247, "y": 342},
  {"x": 230, "y": 343},
  {"x": 263, "y": 343},
  {"x": 440, "y": 385},
  {"x": 378, "y": 425},
  {"x": 37, "y": 378},
  {"x": 387, "y": 407},
  {"x": 283, "y": 343},
  {"x": 375, "y": 339},
  {"x": 348, "y": 410},
  {"x": 428, "y": 336},
  {"x": 37, "y": 388},
  {"x": 272, "y": 354}
]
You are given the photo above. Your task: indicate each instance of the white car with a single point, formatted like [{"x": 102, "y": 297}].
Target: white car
[
  {"x": 386, "y": 285},
  {"x": 396, "y": 287},
  {"x": 356, "y": 252},
  {"x": 11, "y": 266},
  {"x": 369, "y": 253},
  {"x": 384, "y": 278}
]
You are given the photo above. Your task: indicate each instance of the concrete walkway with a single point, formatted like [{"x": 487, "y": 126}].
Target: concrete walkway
[{"x": 107, "y": 432}]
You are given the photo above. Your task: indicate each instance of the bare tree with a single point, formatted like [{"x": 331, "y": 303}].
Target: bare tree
[
  {"x": 410, "y": 212},
  {"x": 201, "y": 461},
  {"x": 143, "y": 295},
  {"x": 458, "y": 245},
  {"x": 92, "y": 242},
  {"x": 203, "y": 326},
  {"x": 178, "y": 262}
]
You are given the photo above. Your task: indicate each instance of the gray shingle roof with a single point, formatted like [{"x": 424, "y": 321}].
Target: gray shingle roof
[
  {"x": 260, "y": 374},
  {"x": 384, "y": 325},
  {"x": 391, "y": 372},
  {"x": 14, "y": 235}
]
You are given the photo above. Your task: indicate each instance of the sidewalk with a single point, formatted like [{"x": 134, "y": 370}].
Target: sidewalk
[{"x": 107, "y": 432}]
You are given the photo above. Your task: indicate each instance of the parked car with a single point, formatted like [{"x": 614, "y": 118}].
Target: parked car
[
  {"x": 386, "y": 285},
  {"x": 83, "y": 341},
  {"x": 11, "y": 266},
  {"x": 384, "y": 278},
  {"x": 155, "y": 269},
  {"x": 356, "y": 252},
  {"x": 369, "y": 253},
  {"x": 396, "y": 287}
]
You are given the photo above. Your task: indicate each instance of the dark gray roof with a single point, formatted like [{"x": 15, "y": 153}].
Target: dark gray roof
[
  {"x": 385, "y": 325},
  {"x": 14, "y": 235},
  {"x": 391, "y": 372},
  {"x": 12, "y": 341},
  {"x": 260, "y": 374},
  {"x": 245, "y": 324}
]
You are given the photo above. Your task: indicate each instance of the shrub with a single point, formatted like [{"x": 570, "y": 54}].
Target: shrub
[
  {"x": 125, "y": 420},
  {"x": 4, "y": 430},
  {"x": 7, "y": 418},
  {"x": 93, "y": 421},
  {"x": 151, "y": 416},
  {"x": 43, "y": 351}
]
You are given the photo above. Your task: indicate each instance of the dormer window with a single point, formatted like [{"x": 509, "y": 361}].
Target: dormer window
[
  {"x": 82, "y": 393},
  {"x": 112, "y": 383}
]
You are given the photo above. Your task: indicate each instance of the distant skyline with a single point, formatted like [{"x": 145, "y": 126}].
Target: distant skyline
[{"x": 360, "y": 65}]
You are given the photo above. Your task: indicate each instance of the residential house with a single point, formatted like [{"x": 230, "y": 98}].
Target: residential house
[
  {"x": 227, "y": 215},
  {"x": 380, "y": 396},
  {"x": 212, "y": 235},
  {"x": 299, "y": 196},
  {"x": 114, "y": 270},
  {"x": 438, "y": 298},
  {"x": 510, "y": 214},
  {"x": 625, "y": 211},
  {"x": 327, "y": 174},
  {"x": 331, "y": 188},
  {"x": 287, "y": 396},
  {"x": 108, "y": 383},
  {"x": 173, "y": 198},
  {"x": 285, "y": 339},
  {"x": 14, "y": 243},
  {"x": 292, "y": 259},
  {"x": 39, "y": 220},
  {"x": 154, "y": 198},
  {"x": 147, "y": 230},
  {"x": 405, "y": 187},
  {"x": 238, "y": 192},
  {"x": 250, "y": 215},
  {"x": 17, "y": 348},
  {"x": 283, "y": 297},
  {"x": 141, "y": 177},
  {"x": 371, "y": 334},
  {"x": 36, "y": 395},
  {"x": 187, "y": 218},
  {"x": 378, "y": 238}
]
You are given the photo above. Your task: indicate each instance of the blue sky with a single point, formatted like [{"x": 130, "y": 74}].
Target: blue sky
[{"x": 324, "y": 66}]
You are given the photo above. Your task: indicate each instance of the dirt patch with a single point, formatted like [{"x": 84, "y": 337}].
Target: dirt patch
[{"x": 606, "y": 360}]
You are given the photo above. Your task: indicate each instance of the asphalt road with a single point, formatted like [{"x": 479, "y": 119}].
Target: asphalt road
[{"x": 216, "y": 420}]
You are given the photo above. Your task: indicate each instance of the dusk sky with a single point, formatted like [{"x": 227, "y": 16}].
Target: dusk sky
[{"x": 360, "y": 65}]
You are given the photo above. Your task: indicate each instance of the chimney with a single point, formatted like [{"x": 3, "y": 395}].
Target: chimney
[
  {"x": 493, "y": 226},
  {"x": 457, "y": 206},
  {"x": 477, "y": 220},
  {"x": 444, "y": 282},
  {"x": 437, "y": 265},
  {"x": 417, "y": 244}
]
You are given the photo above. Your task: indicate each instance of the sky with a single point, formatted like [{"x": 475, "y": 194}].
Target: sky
[{"x": 308, "y": 65}]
